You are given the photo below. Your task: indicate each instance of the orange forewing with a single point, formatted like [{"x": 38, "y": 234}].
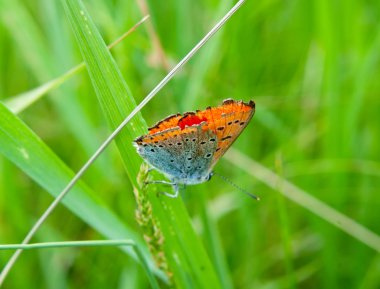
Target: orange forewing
[
  {"x": 169, "y": 122},
  {"x": 165, "y": 135},
  {"x": 227, "y": 121}
]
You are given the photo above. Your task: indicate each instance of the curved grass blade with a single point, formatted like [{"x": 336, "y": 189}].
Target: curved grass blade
[
  {"x": 44, "y": 50},
  {"x": 94, "y": 243},
  {"x": 27, "y": 151},
  {"x": 22, "y": 101}
]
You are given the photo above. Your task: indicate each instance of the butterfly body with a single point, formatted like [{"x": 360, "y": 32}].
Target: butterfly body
[{"x": 186, "y": 147}]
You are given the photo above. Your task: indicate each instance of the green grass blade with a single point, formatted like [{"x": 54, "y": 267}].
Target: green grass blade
[
  {"x": 285, "y": 230},
  {"x": 202, "y": 65},
  {"x": 117, "y": 102},
  {"x": 21, "y": 146},
  {"x": 213, "y": 244},
  {"x": 39, "y": 60},
  {"x": 366, "y": 68},
  {"x": 113, "y": 93},
  {"x": 22, "y": 101},
  {"x": 93, "y": 243}
]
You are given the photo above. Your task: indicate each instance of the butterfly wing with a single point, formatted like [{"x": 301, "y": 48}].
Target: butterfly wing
[
  {"x": 186, "y": 147},
  {"x": 185, "y": 155},
  {"x": 170, "y": 122},
  {"x": 227, "y": 122}
]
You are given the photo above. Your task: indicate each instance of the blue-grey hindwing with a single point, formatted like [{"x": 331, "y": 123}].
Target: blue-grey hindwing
[{"x": 184, "y": 155}]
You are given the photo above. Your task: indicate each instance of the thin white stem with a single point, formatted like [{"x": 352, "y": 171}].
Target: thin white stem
[
  {"x": 47, "y": 245},
  {"x": 155, "y": 90}
]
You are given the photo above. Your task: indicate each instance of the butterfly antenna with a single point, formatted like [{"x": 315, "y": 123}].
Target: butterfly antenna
[{"x": 237, "y": 187}]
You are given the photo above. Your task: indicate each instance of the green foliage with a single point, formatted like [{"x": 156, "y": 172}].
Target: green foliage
[
  {"x": 117, "y": 103},
  {"x": 311, "y": 66}
]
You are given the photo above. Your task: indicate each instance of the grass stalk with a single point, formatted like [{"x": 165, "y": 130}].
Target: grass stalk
[
  {"x": 305, "y": 200},
  {"x": 87, "y": 243}
]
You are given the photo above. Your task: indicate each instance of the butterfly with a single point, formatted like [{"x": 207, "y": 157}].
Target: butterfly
[{"x": 186, "y": 147}]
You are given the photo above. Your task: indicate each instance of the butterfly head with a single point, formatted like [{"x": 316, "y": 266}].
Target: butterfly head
[{"x": 192, "y": 179}]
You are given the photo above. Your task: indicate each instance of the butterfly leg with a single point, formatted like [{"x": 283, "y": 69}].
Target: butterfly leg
[
  {"x": 151, "y": 169},
  {"x": 176, "y": 191},
  {"x": 174, "y": 186},
  {"x": 160, "y": 182}
]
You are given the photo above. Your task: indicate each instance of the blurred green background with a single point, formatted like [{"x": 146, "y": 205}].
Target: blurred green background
[{"x": 312, "y": 68}]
